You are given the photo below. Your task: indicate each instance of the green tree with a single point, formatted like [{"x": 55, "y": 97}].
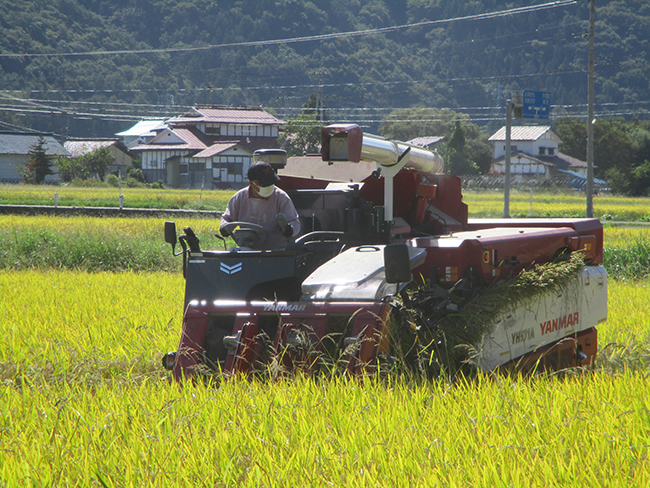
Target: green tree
[
  {"x": 573, "y": 133},
  {"x": 457, "y": 160},
  {"x": 405, "y": 124},
  {"x": 640, "y": 180},
  {"x": 302, "y": 134},
  {"x": 467, "y": 150},
  {"x": 39, "y": 165},
  {"x": 99, "y": 161},
  {"x": 94, "y": 163},
  {"x": 621, "y": 151},
  {"x": 71, "y": 168}
]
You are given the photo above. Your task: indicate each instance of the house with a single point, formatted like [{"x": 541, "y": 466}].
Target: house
[
  {"x": 210, "y": 145},
  {"x": 123, "y": 158},
  {"x": 428, "y": 142},
  {"x": 535, "y": 154},
  {"x": 14, "y": 152},
  {"x": 142, "y": 132},
  {"x": 531, "y": 140}
]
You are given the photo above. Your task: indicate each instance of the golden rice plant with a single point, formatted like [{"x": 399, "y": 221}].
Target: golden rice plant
[
  {"x": 85, "y": 402},
  {"x": 109, "y": 197},
  {"x": 489, "y": 204},
  {"x": 481, "y": 203},
  {"x": 94, "y": 244}
]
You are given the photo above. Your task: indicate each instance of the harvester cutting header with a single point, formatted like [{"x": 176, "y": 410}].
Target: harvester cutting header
[{"x": 384, "y": 274}]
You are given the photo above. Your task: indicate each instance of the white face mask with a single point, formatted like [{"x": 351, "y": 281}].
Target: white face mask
[{"x": 266, "y": 191}]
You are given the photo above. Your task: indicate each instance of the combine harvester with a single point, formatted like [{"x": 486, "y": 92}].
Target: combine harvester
[{"x": 386, "y": 265}]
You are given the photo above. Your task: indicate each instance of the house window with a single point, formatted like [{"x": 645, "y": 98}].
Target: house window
[
  {"x": 153, "y": 164},
  {"x": 551, "y": 151},
  {"x": 232, "y": 164},
  {"x": 197, "y": 166},
  {"x": 183, "y": 169},
  {"x": 542, "y": 151},
  {"x": 235, "y": 168},
  {"x": 213, "y": 130}
]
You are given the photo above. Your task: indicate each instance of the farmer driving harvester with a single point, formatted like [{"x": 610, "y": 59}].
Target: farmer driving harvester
[{"x": 264, "y": 204}]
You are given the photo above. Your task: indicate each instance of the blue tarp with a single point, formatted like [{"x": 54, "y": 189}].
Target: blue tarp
[{"x": 579, "y": 181}]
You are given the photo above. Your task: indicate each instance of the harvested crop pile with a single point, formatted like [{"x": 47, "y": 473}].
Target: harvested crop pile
[{"x": 438, "y": 332}]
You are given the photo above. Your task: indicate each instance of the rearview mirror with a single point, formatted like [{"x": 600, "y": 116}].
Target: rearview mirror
[
  {"x": 170, "y": 233},
  {"x": 397, "y": 263}
]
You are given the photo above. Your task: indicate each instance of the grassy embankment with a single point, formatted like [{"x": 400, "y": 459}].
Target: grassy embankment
[{"x": 481, "y": 204}]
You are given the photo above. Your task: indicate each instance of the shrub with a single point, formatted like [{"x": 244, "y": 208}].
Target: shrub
[
  {"x": 113, "y": 180},
  {"x": 131, "y": 182}
]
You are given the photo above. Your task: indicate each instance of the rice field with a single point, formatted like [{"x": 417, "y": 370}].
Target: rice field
[
  {"x": 137, "y": 244},
  {"x": 71, "y": 196},
  {"x": 485, "y": 204},
  {"x": 489, "y": 204},
  {"x": 85, "y": 402},
  {"x": 94, "y": 244}
]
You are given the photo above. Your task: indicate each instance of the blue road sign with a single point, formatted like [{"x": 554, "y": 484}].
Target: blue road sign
[{"x": 537, "y": 105}]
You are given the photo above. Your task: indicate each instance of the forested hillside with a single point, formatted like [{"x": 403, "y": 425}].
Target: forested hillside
[{"x": 90, "y": 68}]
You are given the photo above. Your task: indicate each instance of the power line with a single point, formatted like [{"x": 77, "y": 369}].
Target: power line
[{"x": 322, "y": 37}]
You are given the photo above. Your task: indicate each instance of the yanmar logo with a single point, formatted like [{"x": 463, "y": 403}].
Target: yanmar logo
[
  {"x": 560, "y": 323},
  {"x": 284, "y": 307},
  {"x": 229, "y": 270}
]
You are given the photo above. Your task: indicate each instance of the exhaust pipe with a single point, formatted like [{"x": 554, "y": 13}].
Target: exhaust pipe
[{"x": 348, "y": 143}]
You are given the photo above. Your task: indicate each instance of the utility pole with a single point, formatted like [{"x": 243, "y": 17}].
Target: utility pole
[
  {"x": 590, "y": 116},
  {"x": 506, "y": 183}
]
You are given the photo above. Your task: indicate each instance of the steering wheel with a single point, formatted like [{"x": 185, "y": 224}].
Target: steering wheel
[
  {"x": 246, "y": 234},
  {"x": 319, "y": 235},
  {"x": 231, "y": 226}
]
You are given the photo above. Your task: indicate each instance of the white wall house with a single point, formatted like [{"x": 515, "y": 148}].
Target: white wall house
[
  {"x": 211, "y": 146},
  {"x": 142, "y": 132},
  {"x": 14, "y": 152},
  {"x": 123, "y": 159},
  {"x": 531, "y": 140},
  {"x": 534, "y": 152},
  {"x": 522, "y": 164}
]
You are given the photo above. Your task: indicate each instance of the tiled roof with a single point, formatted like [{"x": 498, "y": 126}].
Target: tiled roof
[
  {"x": 215, "y": 149},
  {"x": 20, "y": 143},
  {"x": 425, "y": 141},
  {"x": 191, "y": 137},
  {"x": 81, "y": 147},
  {"x": 521, "y": 133},
  {"x": 560, "y": 160},
  {"x": 563, "y": 161},
  {"x": 228, "y": 115},
  {"x": 518, "y": 154},
  {"x": 250, "y": 143},
  {"x": 147, "y": 127},
  {"x": 572, "y": 162}
]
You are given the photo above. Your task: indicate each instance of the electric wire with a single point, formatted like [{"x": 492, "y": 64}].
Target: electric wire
[{"x": 321, "y": 37}]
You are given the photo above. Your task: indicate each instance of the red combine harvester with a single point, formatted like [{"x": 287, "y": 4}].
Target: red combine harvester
[{"x": 379, "y": 218}]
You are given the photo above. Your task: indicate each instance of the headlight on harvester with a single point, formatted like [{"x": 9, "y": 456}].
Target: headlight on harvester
[{"x": 168, "y": 360}]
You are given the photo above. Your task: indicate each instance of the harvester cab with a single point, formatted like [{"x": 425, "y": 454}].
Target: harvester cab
[{"x": 387, "y": 251}]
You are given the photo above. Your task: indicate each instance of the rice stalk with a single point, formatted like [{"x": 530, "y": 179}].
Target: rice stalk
[{"x": 430, "y": 340}]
